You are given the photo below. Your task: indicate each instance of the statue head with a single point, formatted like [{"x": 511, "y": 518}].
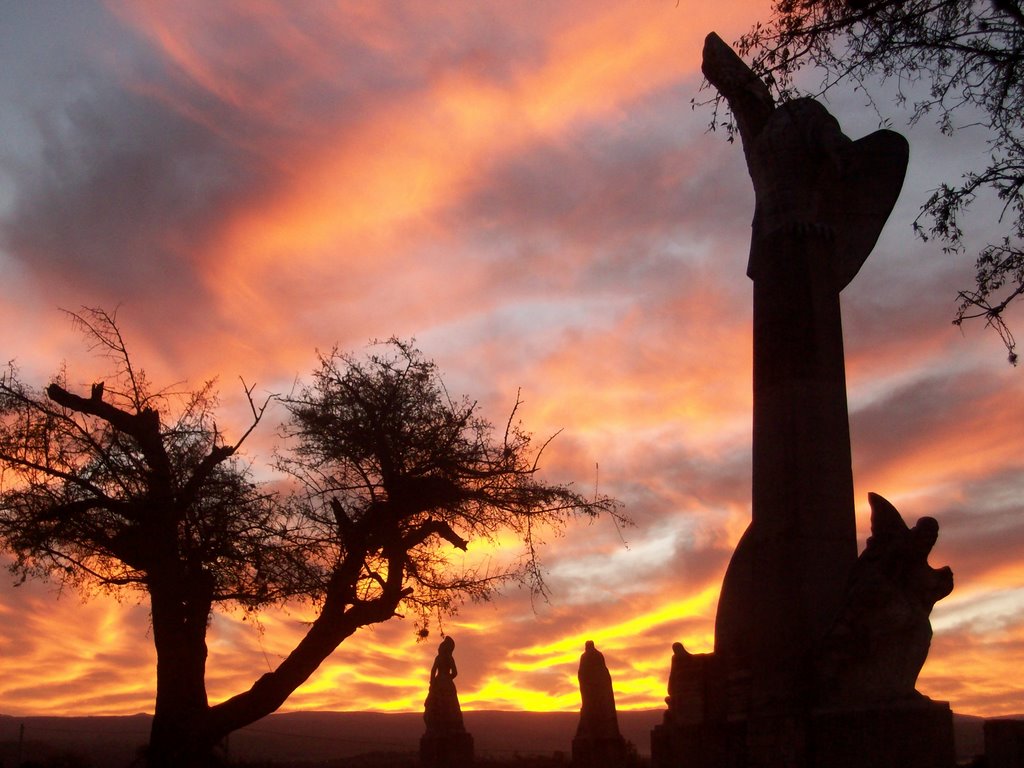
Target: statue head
[
  {"x": 925, "y": 533},
  {"x": 447, "y": 646}
]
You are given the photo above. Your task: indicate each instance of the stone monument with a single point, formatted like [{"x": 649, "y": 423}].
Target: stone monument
[
  {"x": 446, "y": 744},
  {"x": 796, "y": 602},
  {"x": 1004, "y": 743},
  {"x": 598, "y": 743},
  {"x": 694, "y": 695},
  {"x": 878, "y": 643}
]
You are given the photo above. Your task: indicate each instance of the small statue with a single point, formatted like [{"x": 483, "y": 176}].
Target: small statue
[
  {"x": 598, "y": 743},
  {"x": 694, "y": 687},
  {"x": 875, "y": 650},
  {"x": 597, "y": 713},
  {"x": 677, "y": 677},
  {"x": 441, "y": 710}
]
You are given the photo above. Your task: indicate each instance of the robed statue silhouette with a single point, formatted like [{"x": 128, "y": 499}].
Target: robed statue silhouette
[
  {"x": 446, "y": 744},
  {"x": 598, "y": 743},
  {"x": 441, "y": 710}
]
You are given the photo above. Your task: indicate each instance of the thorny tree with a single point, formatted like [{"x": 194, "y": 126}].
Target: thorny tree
[
  {"x": 396, "y": 472},
  {"x": 127, "y": 488},
  {"x": 133, "y": 489},
  {"x": 959, "y": 60}
]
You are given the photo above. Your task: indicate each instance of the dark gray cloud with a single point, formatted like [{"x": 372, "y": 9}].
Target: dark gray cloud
[
  {"x": 122, "y": 203},
  {"x": 122, "y": 161},
  {"x": 910, "y": 416},
  {"x": 647, "y": 172},
  {"x": 982, "y": 531},
  {"x": 599, "y": 208},
  {"x": 114, "y": 193}
]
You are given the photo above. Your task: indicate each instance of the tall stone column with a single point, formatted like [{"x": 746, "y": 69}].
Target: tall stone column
[{"x": 820, "y": 203}]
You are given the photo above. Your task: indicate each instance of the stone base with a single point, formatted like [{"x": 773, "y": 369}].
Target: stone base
[
  {"x": 698, "y": 745},
  {"x": 917, "y": 734},
  {"x": 911, "y": 735},
  {"x": 449, "y": 750},
  {"x": 1004, "y": 743},
  {"x": 608, "y": 752}
]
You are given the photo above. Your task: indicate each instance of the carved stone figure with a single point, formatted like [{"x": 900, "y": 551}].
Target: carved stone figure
[
  {"x": 446, "y": 744},
  {"x": 597, "y": 712},
  {"x": 820, "y": 203},
  {"x": 694, "y": 693},
  {"x": 598, "y": 743},
  {"x": 875, "y": 650},
  {"x": 441, "y": 710},
  {"x": 677, "y": 677}
]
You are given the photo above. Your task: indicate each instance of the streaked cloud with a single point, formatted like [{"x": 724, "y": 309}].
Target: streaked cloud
[{"x": 527, "y": 191}]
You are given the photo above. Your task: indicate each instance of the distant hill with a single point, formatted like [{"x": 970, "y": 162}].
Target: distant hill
[
  {"x": 107, "y": 741},
  {"x": 115, "y": 741},
  {"x": 317, "y": 736}
]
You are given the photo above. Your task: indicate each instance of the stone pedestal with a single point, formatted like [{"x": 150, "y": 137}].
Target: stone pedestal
[
  {"x": 701, "y": 745},
  {"x": 911, "y": 735},
  {"x": 448, "y": 750},
  {"x": 599, "y": 752},
  {"x": 1004, "y": 743}
]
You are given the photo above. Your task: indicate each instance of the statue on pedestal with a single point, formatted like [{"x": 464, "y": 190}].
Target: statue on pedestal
[
  {"x": 813, "y": 646},
  {"x": 446, "y": 744},
  {"x": 598, "y": 743},
  {"x": 441, "y": 710},
  {"x": 597, "y": 711}
]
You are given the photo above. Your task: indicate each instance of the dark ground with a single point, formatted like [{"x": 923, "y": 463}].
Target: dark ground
[{"x": 341, "y": 740}]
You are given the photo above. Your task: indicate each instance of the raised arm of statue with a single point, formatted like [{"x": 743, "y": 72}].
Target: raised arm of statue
[{"x": 749, "y": 98}]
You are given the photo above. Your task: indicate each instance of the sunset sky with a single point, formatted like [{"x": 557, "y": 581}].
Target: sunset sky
[{"x": 525, "y": 189}]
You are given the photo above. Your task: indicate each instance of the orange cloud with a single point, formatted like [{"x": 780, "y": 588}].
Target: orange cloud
[
  {"x": 526, "y": 192},
  {"x": 356, "y": 195}
]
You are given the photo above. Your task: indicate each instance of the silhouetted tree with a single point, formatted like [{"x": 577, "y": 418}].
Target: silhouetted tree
[
  {"x": 133, "y": 489},
  {"x": 950, "y": 58},
  {"x": 394, "y": 469},
  {"x": 128, "y": 488}
]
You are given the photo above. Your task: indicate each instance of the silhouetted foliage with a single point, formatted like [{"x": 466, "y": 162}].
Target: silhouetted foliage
[
  {"x": 131, "y": 488},
  {"x": 397, "y": 473},
  {"x": 953, "y": 59},
  {"x": 128, "y": 487}
]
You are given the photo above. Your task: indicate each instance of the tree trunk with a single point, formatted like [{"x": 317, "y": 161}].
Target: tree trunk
[
  {"x": 337, "y": 621},
  {"x": 178, "y": 737},
  {"x": 270, "y": 691},
  {"x": 186, "y": 730}
]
